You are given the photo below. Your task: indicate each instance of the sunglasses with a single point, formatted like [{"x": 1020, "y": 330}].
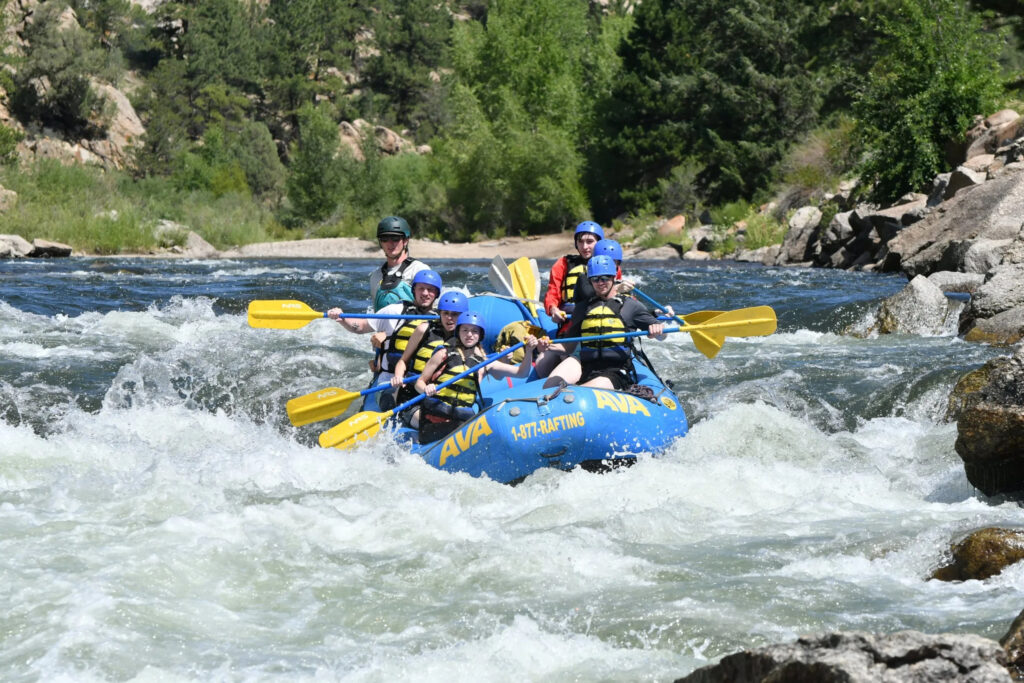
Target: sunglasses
[{"x": 602, "y": 278}]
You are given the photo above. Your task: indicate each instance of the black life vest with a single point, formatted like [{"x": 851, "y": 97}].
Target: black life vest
[
  {"x": 575, "y": 268},
  {"x": 393, "y": 287},
  {"x": 399, "y": 339}
]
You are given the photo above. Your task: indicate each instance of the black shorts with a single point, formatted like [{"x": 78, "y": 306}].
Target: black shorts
[{"x": 619, "y": 377}]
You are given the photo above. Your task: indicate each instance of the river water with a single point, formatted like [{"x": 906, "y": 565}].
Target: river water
[{"x": 161, "y": 520}]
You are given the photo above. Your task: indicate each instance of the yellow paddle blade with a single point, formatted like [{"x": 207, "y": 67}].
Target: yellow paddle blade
[
  {"x": 281, "y": 314},
  {"x": 708, "y": 343},
  {"x": 698, "y": 317},
  {"x": 755, "y": 321},
  {"x": 319, "y": 405},
  {"x": 359, "y": 427},
  {"x": 523, "y": 283}
]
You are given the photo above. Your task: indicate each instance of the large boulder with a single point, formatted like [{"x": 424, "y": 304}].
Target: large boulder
[
  {"x": 992, "y": 211},
  {"x": 919, "y": 308},
  {"x": 1013, "y": 643},
  {"x": 1002, "y": 290},
  {"x": 990, "y": 428},
  {"x": 14, "y": 246},
  {"x": 46, "y": 249},
  {"x": 854, "y": 656},
  {"x": 1003, "y": 328},
  {"x": 796, "y": 246}
]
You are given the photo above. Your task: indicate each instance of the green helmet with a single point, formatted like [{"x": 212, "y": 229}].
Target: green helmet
[{"x": 393, "y": 225}]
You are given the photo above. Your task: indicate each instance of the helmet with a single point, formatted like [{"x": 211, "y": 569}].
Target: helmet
[
  {"x": 471, "y": 318},
  {"x": 393, "y": 225},
  {"x": 600, "y": 265},
  {"x": 427, "y": 277},
  {"x": 608, "y": 248},
  {"x": 591, "y": 227},
  {"x": 453, "y": 301}
]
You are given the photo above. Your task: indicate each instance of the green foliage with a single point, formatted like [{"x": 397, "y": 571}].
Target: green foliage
[
  {"x": 717, "y": 80},
  {"x": 109, "y": 212},
  {"x": 937, "y": 72},
  {"x": 518, "y": 109},
  {"x": 9, "y": 139},
  {"x": 412, "y": 40},
  {"x": 63, "y": 57},
  {"x": 314, "y": 185},
  {"x": 764, "y": 230}
]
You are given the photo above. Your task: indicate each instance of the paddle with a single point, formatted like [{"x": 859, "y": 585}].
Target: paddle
[
  {"x": 362, "y": 426},
  {"x": 708, "y": 343},
  {"x": 288, "y": 314},
  {"x": 500, "y": 277},
  {"x": 524, "y": 284},
  {"x": 756, "y": 321},
  {"x": 330, "y": 402}
]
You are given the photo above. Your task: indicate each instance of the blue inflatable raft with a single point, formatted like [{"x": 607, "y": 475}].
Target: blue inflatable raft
[{"x": 523, "y": 427}]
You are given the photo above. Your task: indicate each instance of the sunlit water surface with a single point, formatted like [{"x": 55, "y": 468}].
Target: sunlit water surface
[{"x": 161, "y": 520}]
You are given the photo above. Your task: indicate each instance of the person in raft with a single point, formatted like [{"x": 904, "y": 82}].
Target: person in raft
[
  {"x": 424, "y": 341},
  {"x": 390, "y": 336},
  {"x": 444, "y": 410},
  {"x": 603, "y": 363},
  {"x": 567, "y": 271},
  {"x": 392, "y": 282},
  {"x": 580, "y": 292}
]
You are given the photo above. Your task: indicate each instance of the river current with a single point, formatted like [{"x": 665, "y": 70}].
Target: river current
[{"x": 161, "y": 520}]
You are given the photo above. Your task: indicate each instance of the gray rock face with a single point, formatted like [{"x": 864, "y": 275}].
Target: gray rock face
[
  {"x": 949, "y": 281},
  {"x": 992, "y": 211},
  {"x": 854, "y": 657},
  {"x": 14, "y": 246},
  {"x": 1002, "y": 290}
]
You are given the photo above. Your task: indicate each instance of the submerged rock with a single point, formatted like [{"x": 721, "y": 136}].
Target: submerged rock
[{"x": 982, "y": 554}]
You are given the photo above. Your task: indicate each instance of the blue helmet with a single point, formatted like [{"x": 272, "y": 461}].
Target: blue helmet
[
  {"x": 471, "y": 318},
  {"x": 428, "y": 277},
  {"x": 591, "y": 227},
  {"x": 608, "y": 247},
  {"x": 600, "y": 265},
  {"x": 454, "y": 302}
]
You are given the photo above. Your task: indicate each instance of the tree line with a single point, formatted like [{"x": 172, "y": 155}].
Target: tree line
[{"x": 539, "y": 113}]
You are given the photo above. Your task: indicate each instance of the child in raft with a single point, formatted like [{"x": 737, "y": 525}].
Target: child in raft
[{"x": 445, "y": 409}]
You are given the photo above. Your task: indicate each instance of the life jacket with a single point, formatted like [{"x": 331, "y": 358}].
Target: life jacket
[
  {"x": 455, "y": 401},
  {"x": 575, "y": 268},
  {"x": 603, "y": 317},
  {"x": 399, "y": 339},
  {"x": 393, "y": 287},
  {"x": 435, "y": 337}
]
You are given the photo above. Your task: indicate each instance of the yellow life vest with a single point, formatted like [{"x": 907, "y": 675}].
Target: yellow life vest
[
  {"x": 601, "y": 318},
  {"x": 463, "y": 392},
  {"x": 399, "y": 339},
  {"x": 431, "y": 341}
]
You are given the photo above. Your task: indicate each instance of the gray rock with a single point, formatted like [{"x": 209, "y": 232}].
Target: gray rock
[
  {"x": 982, "y": 255},
  {"x": 993, "y": 211},
  {"x": 797, "y": 243},
  {"x": 855, "y": 657},
  {"x": 990, "y": 429},
  {"x": 1002, "y": 328},
  {"x": 47, "y": 249},
  {"x": 1002, "y": 290},
  {"x": 919, "y": 308},
  {"x": 14, "y": 246},
  {"x": 961, "y": 179},
  {"x": 949, "y": 281},
  {"x": 766, "y": 255}
]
